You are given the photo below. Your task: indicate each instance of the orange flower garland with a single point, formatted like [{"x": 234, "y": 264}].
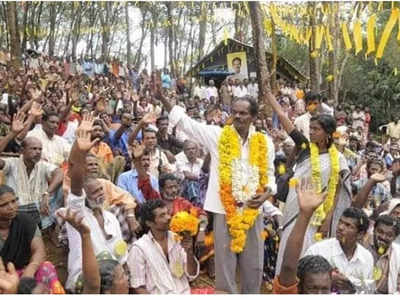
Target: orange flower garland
[{"x": 229, "y": 149}]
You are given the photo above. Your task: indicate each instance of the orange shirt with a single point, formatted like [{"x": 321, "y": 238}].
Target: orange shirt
[{"x": 103, "y": 152}]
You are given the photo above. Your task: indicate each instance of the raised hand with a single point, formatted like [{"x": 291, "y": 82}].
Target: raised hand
[
  {"x": 377, "y": 177},
  {"x": 9, "y": 279},
  {"x": 137, "y": 149},
  {"x": 18, "y": 122},
  {"x": 308, "y": 198},
  {"x": 76, "y": 221},
  {"x": 83, "y": 133},
  {"x": 36, "y": 109},
  {"x": 149, "y": 118}
]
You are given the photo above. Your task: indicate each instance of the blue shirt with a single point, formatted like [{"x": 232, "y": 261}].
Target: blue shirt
[{"x": 129, "y": 182}]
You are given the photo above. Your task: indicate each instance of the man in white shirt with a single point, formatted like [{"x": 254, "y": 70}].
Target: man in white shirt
[
  {"x": 250, "y": 260},
  {"x": 189, "y": 165},
  {"x": 239, "y": 90},
  {"x": 158, "y": 263},
  {"x": 55, "y": 148},
  {"x": 211, "y": 90},
  {"x": 313, "y": 107},
  {"x": 353, "y": 264},
  {"x": 252, "y": 88},
  {"x": 104, "y": 227}
]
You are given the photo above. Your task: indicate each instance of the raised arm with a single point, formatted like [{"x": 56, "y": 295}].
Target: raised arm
[
  {"x": 308, "y": 200},
  {"x": 143, "y": 123},
  {"x": 77, "y": 158},
  {"x": 90, "y": 268},
  {"x": 361, "y": 198},
  {"x": 38, "y": 256},
  {"x": 17, "y": 126},
  {"x": 285, "y": 121}
]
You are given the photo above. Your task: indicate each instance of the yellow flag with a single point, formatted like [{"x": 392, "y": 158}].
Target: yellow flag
[
  {"x": 328, "y": 39},
  {"x": 318, "y": 36},
  {"x": 395, "y": 71},
  {"x": 346, "y": 37},
  {"x": 387, "y": 31},
  {"x": 357, "y": 36},
  {"x": 398, "y": 33},
  {"x": 226, "y": 36},
  {"x": 371, "y": 34},
  {"x": 268, "y": 26}
]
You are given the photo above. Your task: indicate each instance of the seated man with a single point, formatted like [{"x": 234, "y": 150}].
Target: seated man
[
  {"x": 188, "y": 166},
  {"x": 129, "y": 181},
  {"x": 352, "y": 263},
  {"x": 312, "y": 274},
  {"x": 386, "y": 255},
  {"x": 32, "y": 179},
  {"x": 150, "y": 271},
  {"x": 101, "y": 150},
  {"x": 105, "y": 230}
]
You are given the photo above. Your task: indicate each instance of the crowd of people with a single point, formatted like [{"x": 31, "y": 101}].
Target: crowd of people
[{"x": 96, "y": 159}]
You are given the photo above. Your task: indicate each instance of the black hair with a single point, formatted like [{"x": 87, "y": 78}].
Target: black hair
[
  {"x": 50, "y": 113},
  {"x": 313, "y": 264},
  {"x": 164, "y": 177},
  {"x": 253, "y": 108},
  {"x": 388, "y": 221},
  {"x": 358, "y": 215},
  {"x": 237, "y": 58},
  {"x": 4, "y": 189},
  {"x": 375, "y": 160},
  {"x": 107, "y": 268},
  {"x": 148, "y": 129},
  {"x": 328, "y": 124},
  {"x": 310, "y": 96},
  {"x": 97, "y": 123},
  {"x": 26, "y": 285},
  {"x": 146, "y": 211}
]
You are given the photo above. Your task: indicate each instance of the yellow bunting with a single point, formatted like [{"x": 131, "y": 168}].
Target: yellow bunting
[
  {"x": 387, "y": 31},
  {"x": 380, "y": 6},
  {"x": 371, "y": 34},
  {"x": 329, "y": 78},
  {"x": 328, "y": 38},
  {"x": 395, "y": 71},
  {"x": 318, "y": 36},
  {"x": 268, "y": 26},
  {"x": 357, "y": 36},
  {"x": 314, "y": 54},
  {"x": 398, "y": 32},
  {"x": 346, "y": 37},
  {"x": 293, "y": 182},
  {"x": 226, "y": 36}
]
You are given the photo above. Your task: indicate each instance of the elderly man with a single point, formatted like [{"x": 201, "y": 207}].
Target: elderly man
[
  {"x": 234, "y": 145},
  {"x": 189, "y": 166},
  {"x": 88, "y": 193},
  {"x": 32, "y": 179}
]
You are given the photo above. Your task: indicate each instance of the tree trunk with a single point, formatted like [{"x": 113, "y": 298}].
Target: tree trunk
[
  {"x": 202, "y": 28},
  {"x": 259, "y": 47},
  {"x": 171, "y": 37},
  {"x": 138, "y": 55},
  {"x": 105, "y": 26},
  {"x": 15, "y": 44},
  {"x": 27, "y": 5},
  {"x": 128, "y": 37},
  {"x": 76, "y": 30},
  {"x": 165, "y": 49},
  {"x": 153, "y": 31},
  {"x": 274, "y": 48},
  {"x": 53, "y": 15},
  {"x": 313, "y": 59},
  {"x": 333, "y": 63},
  {"x": 239, "y": 23}
]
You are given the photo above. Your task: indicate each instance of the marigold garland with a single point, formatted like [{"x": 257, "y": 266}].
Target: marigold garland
[
  {"x": 229, "y": 149},
  {"x": 183, "y": 221},
  {"x": 323, "y": 210}
]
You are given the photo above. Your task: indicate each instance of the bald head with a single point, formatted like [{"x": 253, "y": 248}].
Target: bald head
[{"x": 31, "y": 150}]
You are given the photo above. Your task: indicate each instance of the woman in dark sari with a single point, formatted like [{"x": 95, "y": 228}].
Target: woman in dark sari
[{"x": 21, "y": 243}]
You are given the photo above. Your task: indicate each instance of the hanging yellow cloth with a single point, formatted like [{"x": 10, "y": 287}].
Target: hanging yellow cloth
[
  {"x": 226, "y": 36},
  {"x": 318, "y": 36},
  {"x": 268, "y": 26},
  {"x": 371, "y": 34},
  {"x": 394, "y": 17},
  {"x": 357, "y": 35},
  {"x": 346, "y": 37},
  {"x": 328, "y": 38}
]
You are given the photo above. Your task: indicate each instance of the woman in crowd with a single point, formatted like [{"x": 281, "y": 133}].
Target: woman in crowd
[
  {"x": 21, "y": 244},
  {"x": 327, "y": 167}
]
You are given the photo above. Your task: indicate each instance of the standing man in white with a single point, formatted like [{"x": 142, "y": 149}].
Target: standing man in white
[{"x": 241, "y": 179}]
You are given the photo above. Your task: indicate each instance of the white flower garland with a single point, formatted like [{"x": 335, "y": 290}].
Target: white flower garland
[{"x": 245, "y": 180}]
